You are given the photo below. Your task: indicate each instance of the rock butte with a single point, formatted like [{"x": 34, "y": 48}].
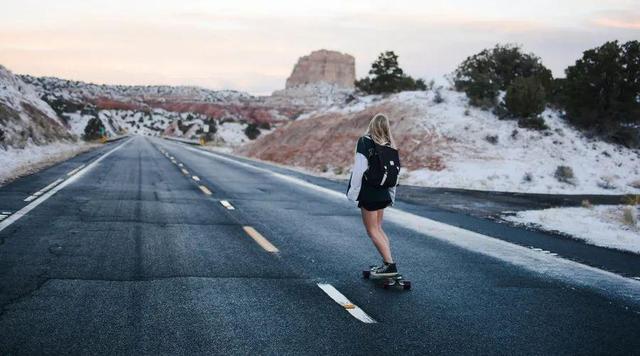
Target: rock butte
[{"x": 324, "y": 66}]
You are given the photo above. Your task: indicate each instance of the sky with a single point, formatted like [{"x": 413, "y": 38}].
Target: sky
[{"x": 252, "y": 45}]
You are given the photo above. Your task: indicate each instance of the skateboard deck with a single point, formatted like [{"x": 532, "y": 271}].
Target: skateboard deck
[{"x": 397, "y": 281}]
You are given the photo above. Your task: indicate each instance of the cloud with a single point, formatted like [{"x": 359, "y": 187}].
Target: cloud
[{"x": 618, "y": 19}]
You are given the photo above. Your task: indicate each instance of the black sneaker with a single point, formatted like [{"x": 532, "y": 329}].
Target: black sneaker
[{"x": 386, "y": 270}]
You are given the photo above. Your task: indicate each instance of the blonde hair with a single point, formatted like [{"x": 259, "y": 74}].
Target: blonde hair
[{"x": 380, "y": 131}]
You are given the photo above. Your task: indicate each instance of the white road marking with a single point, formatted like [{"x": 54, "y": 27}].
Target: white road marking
[
  {"x": 259, "y": 239},
  {"x": 6, "y": 213},
  {"x": 56, "y": 182},
  {"x": 346, "y": 304},
  {"x": 205, "y": 190},
  {"x": 75, "y": 170},
  {"x": 185, "y": 171},
  {"x": 605, "y": 283},
  {"x": 43, "y": 190},
  {"x": 22, "y": 212},
  {"x": 196, "y": 178},
  {"x": 180, "y": 165},
  {"x": 227, "y": 205},
  {"x": 3, "y": 216}
]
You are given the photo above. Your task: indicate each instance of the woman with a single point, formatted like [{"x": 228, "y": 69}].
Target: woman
[{"x": 373, "y": 199}]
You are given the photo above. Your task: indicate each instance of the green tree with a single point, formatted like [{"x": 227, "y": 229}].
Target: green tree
[
  {"x": 386, "y": 76},
  {"x": 94, "y": 129},
  {"x": 484, "y": 74},
  {"x": 525, "y": 98},
  {"x": 252, "y": 131},
  {"x": 602, "y": 89}
]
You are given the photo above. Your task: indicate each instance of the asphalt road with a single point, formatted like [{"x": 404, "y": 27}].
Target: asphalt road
[{"x": 132, "y": 255}]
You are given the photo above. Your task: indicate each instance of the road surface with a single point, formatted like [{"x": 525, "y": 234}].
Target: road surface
[{"x": 133, "y": 252}]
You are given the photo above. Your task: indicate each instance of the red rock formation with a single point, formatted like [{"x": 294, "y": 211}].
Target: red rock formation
[{"x": 328, "y": 140}]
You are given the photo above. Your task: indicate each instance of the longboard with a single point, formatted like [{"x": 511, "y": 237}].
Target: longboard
[{"x": 388, "y": 282}]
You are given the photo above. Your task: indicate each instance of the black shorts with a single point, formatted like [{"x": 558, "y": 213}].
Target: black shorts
[{"x": 373, "y": 205}]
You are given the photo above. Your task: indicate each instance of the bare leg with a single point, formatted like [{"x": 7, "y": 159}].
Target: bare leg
[
  {"x": 370, "y": 220},
  {"x": 380, "y": 214}
]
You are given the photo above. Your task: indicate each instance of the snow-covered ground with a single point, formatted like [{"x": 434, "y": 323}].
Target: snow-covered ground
[
  {"x": 15, "y": 163},
  {"x": 602, "y": 225},
  {"x": 482, "y": 152}
]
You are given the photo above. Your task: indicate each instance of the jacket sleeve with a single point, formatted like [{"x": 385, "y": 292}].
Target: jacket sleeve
[{"x": 360, "y": 165}]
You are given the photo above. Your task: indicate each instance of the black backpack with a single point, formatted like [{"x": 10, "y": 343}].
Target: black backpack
[{"x": 384, "y": 167}]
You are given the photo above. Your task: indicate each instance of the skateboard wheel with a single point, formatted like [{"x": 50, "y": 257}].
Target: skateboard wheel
[{"x": 366, "y": 274}]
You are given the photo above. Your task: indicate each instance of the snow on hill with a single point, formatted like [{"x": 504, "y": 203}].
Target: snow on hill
[
  {"x": 450, "y": 144},
  {"x": 80, "y": 91},
  {"x": 24, "y": 118}
]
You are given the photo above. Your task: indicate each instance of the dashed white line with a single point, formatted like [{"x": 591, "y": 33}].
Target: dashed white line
[
  {"x": 22, "y": 212},
  {"x": 227, "y": 205},
  {"x": 185, "y": 171},
  {"x": 346, "y": 303},
  {"x": 196, "y": 178}
]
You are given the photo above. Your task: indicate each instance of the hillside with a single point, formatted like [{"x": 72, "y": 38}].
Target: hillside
[
  {"x": 450, "y": 144},
  {"x": 24, "y": 117},
  {"x": 155, "y": 110}
]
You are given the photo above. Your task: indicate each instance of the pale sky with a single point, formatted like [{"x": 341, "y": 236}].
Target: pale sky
[{"x": 252, "y": 45}]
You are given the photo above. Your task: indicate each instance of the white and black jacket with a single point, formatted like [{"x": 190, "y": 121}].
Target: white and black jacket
[{"x": 357, "y": 191}]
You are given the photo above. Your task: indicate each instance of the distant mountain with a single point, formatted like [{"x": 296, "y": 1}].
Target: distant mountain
[{"x": 24, "y": 117}]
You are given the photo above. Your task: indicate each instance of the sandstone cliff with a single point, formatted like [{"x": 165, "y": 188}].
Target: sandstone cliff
[{"x": 324, "y": 66}]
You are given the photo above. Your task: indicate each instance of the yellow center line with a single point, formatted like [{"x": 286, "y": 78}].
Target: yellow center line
[
  {"x": 259, "y": 239},
  {"x": 205, "y": 190}
]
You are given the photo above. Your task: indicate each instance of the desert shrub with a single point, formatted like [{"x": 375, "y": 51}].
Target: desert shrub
[
  {"x": 94, "y": 129},
  {"x": 528, "y": 177},
  {"x": 438, "y": 99},
  {"x": 492, "y": 139},
  {"x": 525, "y": 98},
  {"x": 264, "y": 125},
  {"x": 564, "y": 174},
  {"x": 534, "y": 123},
  {"x": 386, "y": 76},
  {"x": 602, "y": 89},
  {"x": 484, "y": 74},
  {"x": 251, "y": 131},
  {"x": 629, "y": 216}
]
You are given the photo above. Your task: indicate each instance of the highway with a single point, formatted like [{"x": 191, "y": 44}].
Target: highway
[{"x": 148, "y": 246}]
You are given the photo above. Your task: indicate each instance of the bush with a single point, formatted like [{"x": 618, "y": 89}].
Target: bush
[
  {"x": 386, "y": 76},
  {"x": 492, "y": 139},
  {"x": 483, "y": 75},
  {"x": 602, "y": 88},
  {"x": 629, "y": 216},
  {"x": 534, "y": 123},
  {"x": 564, "y": 174},
  {"x": 525, "y": 98},
  {"x": 252, "y": 131},
  {"x": 438, "y": 99},
  {"x": 94, "y": 129}
]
